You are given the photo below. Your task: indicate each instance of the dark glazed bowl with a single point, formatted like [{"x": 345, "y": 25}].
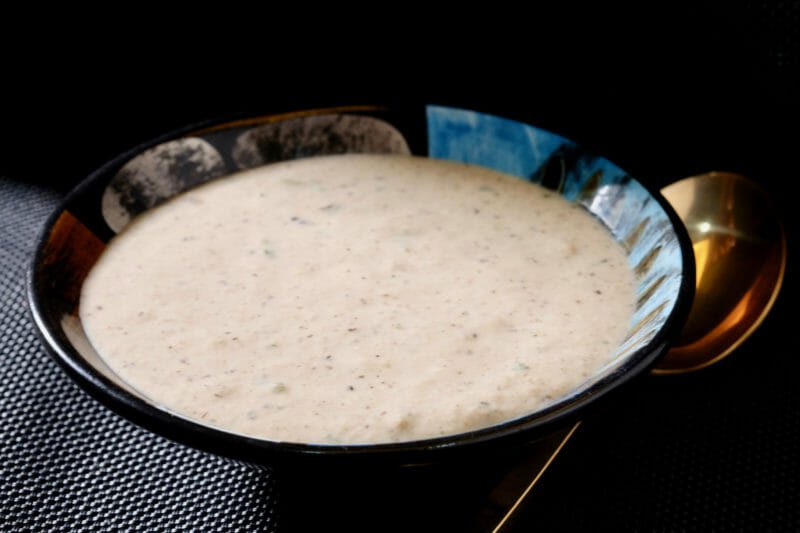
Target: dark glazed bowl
[{"x": 658, "y": 251}]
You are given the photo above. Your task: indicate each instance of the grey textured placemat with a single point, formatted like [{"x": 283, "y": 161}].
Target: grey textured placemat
[{"x": 69, "y": 464}]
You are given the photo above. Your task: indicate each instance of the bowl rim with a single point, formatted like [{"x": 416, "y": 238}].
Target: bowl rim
[{"x": 242, "y": 447}]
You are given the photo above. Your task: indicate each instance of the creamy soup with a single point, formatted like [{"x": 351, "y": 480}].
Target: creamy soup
[{"x": 359, "y": 299}]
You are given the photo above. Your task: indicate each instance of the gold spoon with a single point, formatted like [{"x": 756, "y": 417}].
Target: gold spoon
[{"x": 740, "y": 254}]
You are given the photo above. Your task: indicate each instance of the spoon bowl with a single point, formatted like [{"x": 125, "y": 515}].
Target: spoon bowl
[{"x": 740, "y": 254}]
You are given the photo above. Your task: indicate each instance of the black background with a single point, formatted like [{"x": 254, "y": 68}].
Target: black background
[{"x": 663, "y": 92}]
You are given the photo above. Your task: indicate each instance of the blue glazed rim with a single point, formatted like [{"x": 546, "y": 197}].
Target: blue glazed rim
[{"x": 523, "y": 429}]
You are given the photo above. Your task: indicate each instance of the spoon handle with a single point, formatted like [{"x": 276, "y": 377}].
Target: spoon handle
[{"x": 511, "y": 492}]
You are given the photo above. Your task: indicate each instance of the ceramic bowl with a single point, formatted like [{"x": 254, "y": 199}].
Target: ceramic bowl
[{"x": 657, "y": 246}]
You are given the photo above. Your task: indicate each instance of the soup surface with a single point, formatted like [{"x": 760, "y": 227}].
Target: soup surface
[{"x": 359, "y": 299}]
